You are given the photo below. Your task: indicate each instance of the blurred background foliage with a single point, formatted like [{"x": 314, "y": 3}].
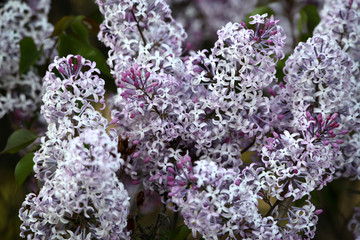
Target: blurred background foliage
[{"x": 337, "y": 200}]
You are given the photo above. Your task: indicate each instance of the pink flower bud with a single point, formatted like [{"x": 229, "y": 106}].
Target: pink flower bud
[
  {"x": 318, "y": 211},
  {"x": 171, "y": 170},
  {"x": 276, "y": 135},
  {"x": 334, "y": 116}
]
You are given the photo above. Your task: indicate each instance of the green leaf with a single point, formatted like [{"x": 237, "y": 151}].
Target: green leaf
[
  {"x": 179, "y": 233},
  {"x": 61, "y": 25},
  {"x": 309, "y": 19},
  {"x": 302, "y": 21},
  {"x": 313, "y": 17},
  {"x": 28, "y": 54},
  {"x": 80, "y": 30},
  {"x": 23, "y": 168},
  {"x": 19, "y": 140}
]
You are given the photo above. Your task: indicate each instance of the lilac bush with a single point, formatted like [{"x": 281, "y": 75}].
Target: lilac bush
[{"x": 229, "y": 144}]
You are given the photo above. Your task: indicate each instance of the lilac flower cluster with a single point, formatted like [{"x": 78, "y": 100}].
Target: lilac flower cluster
[
  {"x": 236, "y": 151},
  {"x": 190, "y": 128},
  {"x": 19, "y": 20},
  {"x": 241, "y": 64},
  {"x": 68, "y": 94},
  {"x": 342, "y": 24},
  {"x": 84, "y": 199},
  {"x": 81, "y": 197}
]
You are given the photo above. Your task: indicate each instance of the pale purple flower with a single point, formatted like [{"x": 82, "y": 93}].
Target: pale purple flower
[
  {"x": 212, "y": 200},
  {"x": 258, "y": 19},
  {"x": 318, "y": 76},
  {"x": 340, "y": 19},
  {"x": 84, "y": 199},
  {"x": 240, "y": 65},
  {"x": 73, "y": 90},
  {"x": 142, "y": 30},
  {"x": 68, "y": 109},
  {"x": 298, "y": 163}
]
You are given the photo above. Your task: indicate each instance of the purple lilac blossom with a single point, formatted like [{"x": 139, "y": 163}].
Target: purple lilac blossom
[
  {"x": 298, "y": 163},
  {"x": 342, "y": 23},
  {"x": 139, "y": 31},
  {"x": 84, "y": 199},
  {"x": 319, "y": 75},
  {"x": 218, "y": 105},
  {"x": 71, "y": 85},
  {"x": 241, "y": 64}
]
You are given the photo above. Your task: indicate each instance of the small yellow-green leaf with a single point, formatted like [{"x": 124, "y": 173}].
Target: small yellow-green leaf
[
  {"x": 23, "y": 168},
  {"x": 19, "y": 140}
]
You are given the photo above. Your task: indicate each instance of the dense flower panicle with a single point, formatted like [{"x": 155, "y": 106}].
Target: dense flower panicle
[
  {"x": 241, "y": 64},
  {"x": 153, "y": 94},
  {"x": 348, "y": 161},
  {"x": 212, "y": 200},
  {"x": 342, "y": 23},
  {"x": 20, "y": 92},
  {"x": 185, "y": 123},
  {"x": 141, "y": 31},
  {"x": 301, "y": 222},
  {"x": 71, "y": 88},
  {"x": 84, "y": 199},
  {"x": 298, "y": 163},
  {"x": 216, "y": 201},
  {"x": 319, "y": 75},
  {"x": 19, "y": 20},
  {"x": 71, "y": 85}
]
